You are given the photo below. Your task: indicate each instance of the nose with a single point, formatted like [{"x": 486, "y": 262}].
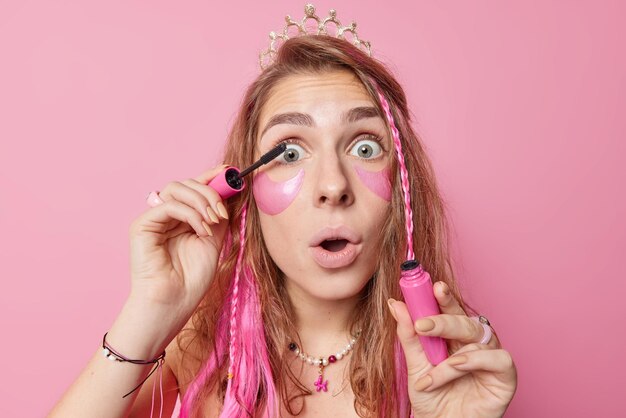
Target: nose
[{"x": 332, "y": 186}]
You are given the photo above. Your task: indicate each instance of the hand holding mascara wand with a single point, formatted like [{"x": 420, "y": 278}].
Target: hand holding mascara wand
[{"x": 230, "y": 181}]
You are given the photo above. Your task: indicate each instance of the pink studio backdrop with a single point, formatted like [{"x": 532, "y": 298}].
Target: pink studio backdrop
[{"x": 521, "y": 107}]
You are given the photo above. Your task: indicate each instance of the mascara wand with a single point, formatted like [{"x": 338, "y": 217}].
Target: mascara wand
[{"x": 265, "y": 158}]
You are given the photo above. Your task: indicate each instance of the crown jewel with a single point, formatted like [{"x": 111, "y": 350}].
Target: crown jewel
[{"x": 266, "y": 57}]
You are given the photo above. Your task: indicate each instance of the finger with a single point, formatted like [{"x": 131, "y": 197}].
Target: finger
[
  {"x": 210, "y": 174},
  {"x": 416, "y": 361},
  {"x": 498, "y": 361},
  {"x": 158, "y": 218},
  {"x": 213, "y": 198},
  {"x": 204, "y": 179},
  {"x": 441, "y": 374},
  {"x": 452, "y": 327},
  {"x": 447, "y": 371},
  {"x": 177, "y": 190},
  {"x": 447, "y": 302}
]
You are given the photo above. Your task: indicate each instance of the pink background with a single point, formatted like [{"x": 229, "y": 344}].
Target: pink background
[{"x": 521, "y": 107}]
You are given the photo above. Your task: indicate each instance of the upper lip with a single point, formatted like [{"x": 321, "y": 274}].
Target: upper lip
[{"x": 334, "y": 233}]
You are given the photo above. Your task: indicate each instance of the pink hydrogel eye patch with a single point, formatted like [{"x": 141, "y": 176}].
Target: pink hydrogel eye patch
[
  {"x": 274, "y": 197},
  {"x": 376, "y": 181}
]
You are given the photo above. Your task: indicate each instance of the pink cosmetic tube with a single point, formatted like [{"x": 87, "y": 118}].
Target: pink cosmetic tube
[
  {"x": 228, "y": 183},
  {"x": 417, "y": 289}
]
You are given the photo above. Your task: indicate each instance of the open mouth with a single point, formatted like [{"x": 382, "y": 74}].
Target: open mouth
[{"x": 334, "y": 245}]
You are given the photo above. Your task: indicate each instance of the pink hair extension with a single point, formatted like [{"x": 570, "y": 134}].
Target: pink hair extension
[
  {"x": 408, "y": 212},
  {"x": 221, "y": 339},
  {"x": 401, "y": 381},
  {"x": 235, "y": 300},
  {"x": 210, "y": 367},
  {"x": 228, "y": 241},
  {"x": 249, "y": 368},
  {"x": 160, "y": 372},
  {"x": 400, "y": 361}
]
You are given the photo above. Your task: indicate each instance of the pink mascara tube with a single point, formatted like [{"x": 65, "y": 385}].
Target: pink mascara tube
[
  {"x": 230, "y": 181},
  {"x": 417, "y": 289}
]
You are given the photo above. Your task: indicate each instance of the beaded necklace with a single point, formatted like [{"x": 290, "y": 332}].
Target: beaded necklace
[{"x": 321, "y": 362}]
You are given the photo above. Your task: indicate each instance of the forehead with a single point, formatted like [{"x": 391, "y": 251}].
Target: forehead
[{"x": 319, "y": 95}]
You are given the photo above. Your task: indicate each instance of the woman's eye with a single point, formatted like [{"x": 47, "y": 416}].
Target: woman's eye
[
  {"x": 291, "y": 154},
  {"x": 366, "y": 148}
]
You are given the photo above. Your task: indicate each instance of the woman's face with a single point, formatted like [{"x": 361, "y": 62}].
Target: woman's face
[{"x": 330, "y": 185}]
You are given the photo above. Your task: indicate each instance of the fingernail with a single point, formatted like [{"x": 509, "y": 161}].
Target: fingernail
[
  {"x": 209, "y": 211},
  {"x": 222, "y": 210},
  {"x": 456, "y": 360},
  {"x": 446, "y": 289},
  {"x": 423, "y": 383},
  {"x": 390, "y": 302},
  {"x": 208, "y": 229},
  {"x": 424, "y": 324}
]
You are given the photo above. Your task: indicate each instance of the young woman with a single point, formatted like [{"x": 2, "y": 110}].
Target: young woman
[{"x": 284, "y": 299}]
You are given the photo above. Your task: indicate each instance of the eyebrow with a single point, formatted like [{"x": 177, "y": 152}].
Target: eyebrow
[{"x": 303, "y": 119}]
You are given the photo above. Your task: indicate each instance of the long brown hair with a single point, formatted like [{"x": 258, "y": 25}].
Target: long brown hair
[{"x": 373, "y": 370}]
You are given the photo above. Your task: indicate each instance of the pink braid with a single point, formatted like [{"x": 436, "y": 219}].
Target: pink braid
[
  {"x": 233, "y": 314},
  {"x": 250, "y": 369},
  {"x": 404, "y": 176},
  {"x": 400, "y": 362}
]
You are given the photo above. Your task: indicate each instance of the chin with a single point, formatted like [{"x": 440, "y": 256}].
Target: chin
[{"x": 334, "y": 285}]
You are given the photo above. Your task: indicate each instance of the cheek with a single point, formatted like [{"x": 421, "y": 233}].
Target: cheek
[
  {"x": 274, "y": 197},
  {"x": 376, "y": 181},
  {"x": 282, "y": 235}
]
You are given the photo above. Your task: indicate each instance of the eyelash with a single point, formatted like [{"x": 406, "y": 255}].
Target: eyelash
[{"x": 364, "y": 137}]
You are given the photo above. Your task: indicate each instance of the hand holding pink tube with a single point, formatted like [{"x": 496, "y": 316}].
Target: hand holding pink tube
[{"x": 417, "y": 289}]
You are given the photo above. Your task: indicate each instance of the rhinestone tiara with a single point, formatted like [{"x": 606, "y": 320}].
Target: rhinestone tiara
[{"x": 267, "y": 57}]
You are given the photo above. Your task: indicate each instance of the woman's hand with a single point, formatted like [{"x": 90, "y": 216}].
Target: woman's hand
[
  {"x": 478, "y": 380},
  {"x": 173, "y": 255}
]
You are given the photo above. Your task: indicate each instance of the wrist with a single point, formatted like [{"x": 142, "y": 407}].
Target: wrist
[{"x": 142, "y": 331}]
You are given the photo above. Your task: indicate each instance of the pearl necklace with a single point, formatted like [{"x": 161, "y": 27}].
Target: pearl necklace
[{"x": 322, "y": 362}]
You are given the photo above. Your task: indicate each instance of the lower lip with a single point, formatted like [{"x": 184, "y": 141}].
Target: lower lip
[{"x": 335, "y": 259}]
